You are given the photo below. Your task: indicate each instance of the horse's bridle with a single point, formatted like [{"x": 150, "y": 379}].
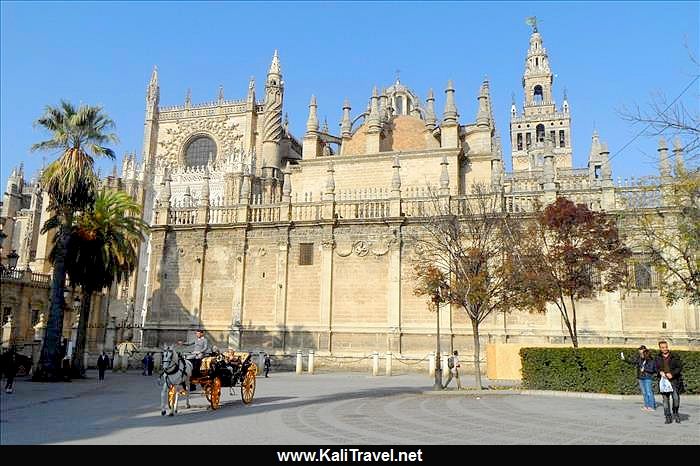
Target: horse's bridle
[{"x": 165, "y": 371}]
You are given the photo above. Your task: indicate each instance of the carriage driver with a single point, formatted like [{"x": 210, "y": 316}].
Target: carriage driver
[{"x": 200, "y": 348}]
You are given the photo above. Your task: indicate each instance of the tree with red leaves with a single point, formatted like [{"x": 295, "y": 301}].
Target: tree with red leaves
[{"x": 572, "y": 254}]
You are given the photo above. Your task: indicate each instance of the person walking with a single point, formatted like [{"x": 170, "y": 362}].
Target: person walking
[
  {"x": 453, "y": 365},
  {"x": 646, "y": 369},
  {"x": 149, "y": 363},
  {"x": 102, "y": 365},
  {"x": 9, "y": 369},
  {"x": 671, "y": 384},
  {"x": 144, "y": 364},
  {"x": 267, "y": 364}
]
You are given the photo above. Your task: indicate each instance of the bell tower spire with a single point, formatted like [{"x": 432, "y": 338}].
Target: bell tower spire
[{"x": 541, "y": 120}]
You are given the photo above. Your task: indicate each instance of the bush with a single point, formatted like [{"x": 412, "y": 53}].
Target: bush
[{"x": 597, "y": 370}]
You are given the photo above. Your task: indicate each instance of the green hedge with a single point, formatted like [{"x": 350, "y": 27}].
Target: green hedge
[{"x": 598, "y": 370}]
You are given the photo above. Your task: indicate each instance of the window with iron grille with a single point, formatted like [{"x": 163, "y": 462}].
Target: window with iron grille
[
  {"x": 642, "y": 276},
  {"x": 306, "y": 254}
]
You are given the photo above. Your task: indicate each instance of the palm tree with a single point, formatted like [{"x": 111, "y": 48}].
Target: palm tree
[
  {"x": 70, "y": 181},
  {"x": 102, "y": 249}
]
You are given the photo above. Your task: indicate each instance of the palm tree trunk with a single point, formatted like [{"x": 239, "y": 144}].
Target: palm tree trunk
[
  {"x": 477, "y": 350},
  {"x": 50, "y": 359},
  {"x": 77, "y": 369}
]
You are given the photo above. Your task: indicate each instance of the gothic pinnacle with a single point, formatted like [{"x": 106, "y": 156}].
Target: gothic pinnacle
[
  {"x": 450, "y": 114},
  {"x": 275, "y": 67},
  {"x": 312, "y": 122}
]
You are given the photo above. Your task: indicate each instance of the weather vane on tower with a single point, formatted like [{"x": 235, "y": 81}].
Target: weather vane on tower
[{"x": 532, "y": 21}]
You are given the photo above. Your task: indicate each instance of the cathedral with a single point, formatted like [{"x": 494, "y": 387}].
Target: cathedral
[{"x": 277, "y": 242}]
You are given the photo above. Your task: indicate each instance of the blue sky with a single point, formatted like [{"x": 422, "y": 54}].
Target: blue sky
[{"x": 606, "y": 54}]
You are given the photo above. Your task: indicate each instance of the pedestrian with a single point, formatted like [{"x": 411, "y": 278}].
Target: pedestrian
[
  {"x": 144, "y": 364},
  {"x": 9, "y": 369},
  {"x": 671, "y": 384},
  {"x": 646, "y": 369},
  {"x": 453, "y": 365},
  {"x": 102, "y": 365},
  {"x": 267, "y": 364},
  {"x": 65, "y": 369},
  {"x": 150, "y": 363}
]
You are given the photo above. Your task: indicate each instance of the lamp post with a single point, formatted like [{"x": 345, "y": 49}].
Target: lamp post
[
  {"x": 12, "y": 259},
  {"x": 438, "y": 368}
]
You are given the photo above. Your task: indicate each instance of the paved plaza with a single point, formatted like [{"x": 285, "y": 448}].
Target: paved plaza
[{"x": 337, "y": 408}]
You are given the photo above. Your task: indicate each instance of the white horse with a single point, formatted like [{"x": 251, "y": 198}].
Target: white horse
[{"x": 175, "y": 376}]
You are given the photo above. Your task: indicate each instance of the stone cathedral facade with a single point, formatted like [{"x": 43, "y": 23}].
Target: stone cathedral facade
[{"x": 275, "y": 242}]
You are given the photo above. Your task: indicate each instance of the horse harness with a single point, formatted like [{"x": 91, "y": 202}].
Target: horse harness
[{"x": 177, "y": 369}]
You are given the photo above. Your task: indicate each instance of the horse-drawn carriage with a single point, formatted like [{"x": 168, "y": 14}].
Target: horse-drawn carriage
[{"x": 227, "y": 369}]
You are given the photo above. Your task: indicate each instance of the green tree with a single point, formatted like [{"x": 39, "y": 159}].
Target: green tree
[
  {"x": 102, "y": 249},
  {"x": 79, "y": 135},
  {"x": 469, "y": 258},
  {"x": 570, "y": 254},
  {"x": 669, "y": 235}
]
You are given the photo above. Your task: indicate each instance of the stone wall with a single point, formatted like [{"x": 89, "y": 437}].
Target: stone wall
[{"x": 355, "y": 297}]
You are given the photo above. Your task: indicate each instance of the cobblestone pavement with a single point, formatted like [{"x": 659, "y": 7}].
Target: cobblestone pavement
[{"x": 348, "y": 408}]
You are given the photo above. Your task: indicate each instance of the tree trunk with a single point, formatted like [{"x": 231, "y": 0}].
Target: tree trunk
[
  {"x": 565, "y": 316},
  {"x": 574, "y": 332},
  {"x": 477, "y": 349},
  {"x": 77, "y": 369},
  {"x": 49, "y": 368}
]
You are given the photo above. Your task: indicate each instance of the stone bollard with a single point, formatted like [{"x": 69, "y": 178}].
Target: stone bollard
[
  {"x": 157, "y": 361},
  {"x": 261, "y": 363},
  {"x": 375, "y": 363},
  {"x": 7, "y": 333},
  {"x": 311, "y": 361},
  {"x": 300, "y": 363},
  {"x": 388, "y": 363},
  {"x": 431, "y": 364}
]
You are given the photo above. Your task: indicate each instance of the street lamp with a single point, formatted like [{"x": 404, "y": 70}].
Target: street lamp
[
  {"x": 12, "y": 259},
  {"x": 438, "y": 368}
]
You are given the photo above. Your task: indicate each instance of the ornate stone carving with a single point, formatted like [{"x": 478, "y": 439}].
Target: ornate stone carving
[
  {"x": 223, "y": 129},
  {"x": 378, "y": 247},
  {"x": 328, "y": 244}
]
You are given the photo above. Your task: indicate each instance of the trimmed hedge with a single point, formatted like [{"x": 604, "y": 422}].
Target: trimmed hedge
[{"x": 597, "y": 370}]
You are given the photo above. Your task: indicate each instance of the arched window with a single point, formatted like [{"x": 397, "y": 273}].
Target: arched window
[
  {"x": 399, "y": 105},
  {"x": 537, "y": 94},
  {"x": 540, "y": 133},
  {"x": 200, "y": 151}
]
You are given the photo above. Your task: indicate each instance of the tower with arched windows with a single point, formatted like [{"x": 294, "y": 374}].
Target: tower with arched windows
[{"x": 541, "y": 121}]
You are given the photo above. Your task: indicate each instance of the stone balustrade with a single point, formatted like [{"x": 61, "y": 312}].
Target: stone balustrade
[{"x": 520, "y": 197}]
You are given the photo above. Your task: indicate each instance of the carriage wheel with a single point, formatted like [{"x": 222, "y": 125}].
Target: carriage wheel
[
  {"x": 215, "y": 393},
  {"x": 171, "y": 397},
  {"x": 248, "y": 386}
]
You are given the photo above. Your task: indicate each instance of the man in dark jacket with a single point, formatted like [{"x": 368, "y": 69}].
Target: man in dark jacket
[
  {"x": 9, "y": 368},
  {"x": 670, "y": 367},
  {"x": 268, "y": 364},
  {"x": 102, "y": 365}
]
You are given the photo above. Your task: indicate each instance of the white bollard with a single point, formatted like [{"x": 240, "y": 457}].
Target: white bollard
[
  {"x": 311, "y": 362},
  {"x": 375, "y": 363},
  {"x": 431, "y": 364},
  {"x": 300, "y": 363},
  {"x": 388, "y": 363}
]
